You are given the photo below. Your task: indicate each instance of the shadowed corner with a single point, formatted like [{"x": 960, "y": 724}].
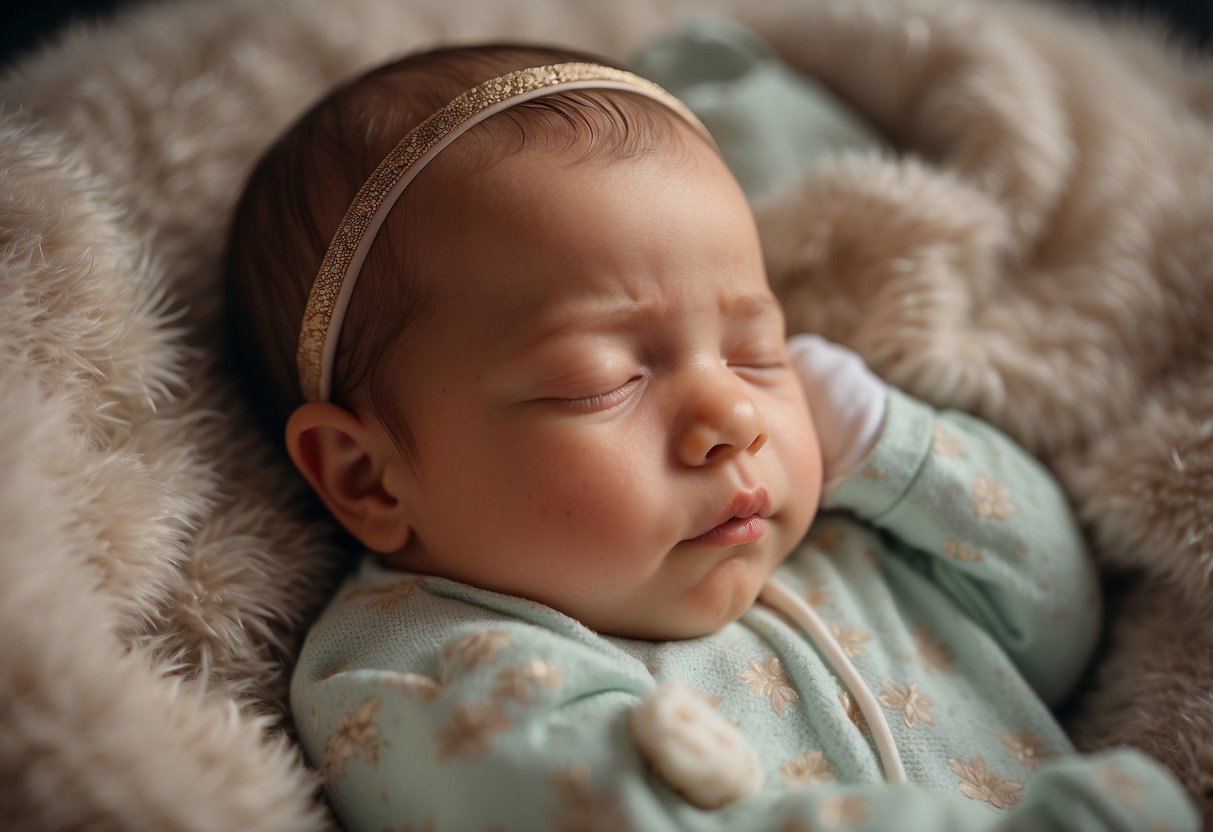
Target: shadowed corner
[{"x": 28, "y": 26}]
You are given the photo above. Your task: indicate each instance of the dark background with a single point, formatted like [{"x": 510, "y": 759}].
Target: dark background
[{"x": 26, "y": 25}]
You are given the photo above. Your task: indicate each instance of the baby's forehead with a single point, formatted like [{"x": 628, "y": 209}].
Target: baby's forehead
[
  {"x": 558, "y": 318},
  {"x": 568, "y": 338}
]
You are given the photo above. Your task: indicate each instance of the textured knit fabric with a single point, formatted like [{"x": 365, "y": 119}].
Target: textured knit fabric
[{"x": 948, "y": 566}]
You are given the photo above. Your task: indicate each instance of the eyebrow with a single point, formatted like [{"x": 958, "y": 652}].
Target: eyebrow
[
  {"x": 574, "y": 320},
  {"x": 753, "y": 306}
]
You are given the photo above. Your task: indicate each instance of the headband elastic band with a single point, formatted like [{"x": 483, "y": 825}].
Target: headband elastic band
[{"x": 334, "y": 284}]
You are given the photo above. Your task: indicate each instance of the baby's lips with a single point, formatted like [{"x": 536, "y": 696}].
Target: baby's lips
[{"x": 741, "y": 505}]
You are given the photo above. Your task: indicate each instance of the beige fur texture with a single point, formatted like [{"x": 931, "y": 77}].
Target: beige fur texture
[{"x": 1039, "y": 251}]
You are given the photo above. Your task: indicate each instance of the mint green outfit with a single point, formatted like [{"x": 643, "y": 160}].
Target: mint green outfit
[{"x": 949, "y": 567}]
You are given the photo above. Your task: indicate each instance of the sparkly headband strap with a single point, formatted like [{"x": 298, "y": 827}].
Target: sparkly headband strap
[{"x": 330, "y": 294}]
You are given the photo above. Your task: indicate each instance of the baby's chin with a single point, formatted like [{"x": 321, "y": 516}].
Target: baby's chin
[
  {"x": 699, "y": 612},
  {"x": 670, "y": 627}
]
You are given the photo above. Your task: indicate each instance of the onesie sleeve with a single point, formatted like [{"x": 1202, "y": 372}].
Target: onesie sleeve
[
  {"x": 501, "y": 724},
  {"x": 991, "y": 527}
]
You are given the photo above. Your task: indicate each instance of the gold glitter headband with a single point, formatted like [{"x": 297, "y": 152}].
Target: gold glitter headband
[{"x": 330, "y": 294}]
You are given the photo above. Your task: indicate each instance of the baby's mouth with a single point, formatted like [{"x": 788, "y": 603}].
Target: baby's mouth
[
  {"x": 743, "y": 520},
  {"x": 734, "y": 532}
]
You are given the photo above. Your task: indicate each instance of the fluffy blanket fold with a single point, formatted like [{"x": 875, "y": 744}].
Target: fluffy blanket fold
[{"x": 1039, "y": 252}]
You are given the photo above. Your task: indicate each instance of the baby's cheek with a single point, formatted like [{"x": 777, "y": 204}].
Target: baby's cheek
[
  {"x": 798, "y": 455},
  {"x": 598, "y": 495}
]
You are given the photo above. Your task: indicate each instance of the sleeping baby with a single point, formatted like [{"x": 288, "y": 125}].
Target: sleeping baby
[{"x": 635, "y": 560}]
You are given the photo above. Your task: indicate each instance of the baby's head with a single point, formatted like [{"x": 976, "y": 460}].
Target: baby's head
[{"x": 562, "y": 372}]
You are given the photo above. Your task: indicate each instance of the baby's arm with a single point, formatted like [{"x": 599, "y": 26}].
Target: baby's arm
[
  {"x": 508, "y": 725},
  {"x": 986, "y": 521}
]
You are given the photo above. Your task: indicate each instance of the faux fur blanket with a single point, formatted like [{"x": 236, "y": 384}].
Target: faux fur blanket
[{"x": 1040, "y": 252}]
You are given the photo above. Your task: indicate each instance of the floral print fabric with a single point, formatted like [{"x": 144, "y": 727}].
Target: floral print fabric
[{"x": 949, "y": 568}]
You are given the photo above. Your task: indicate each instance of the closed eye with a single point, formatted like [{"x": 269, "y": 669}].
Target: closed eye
[
  {"x": 600, "y": 401},
  {"x": 762, "y": 371},
  {"x": 759, "y": 362},
  {"x": 771, "y": 363}
]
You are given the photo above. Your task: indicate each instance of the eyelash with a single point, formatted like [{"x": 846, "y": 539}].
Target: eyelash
[
  {"x": 601, "y": 401},
  {"x": 759, "y": 364}
]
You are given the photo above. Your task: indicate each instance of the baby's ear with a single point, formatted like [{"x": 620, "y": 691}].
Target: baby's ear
[{"x": 345, "y": 459}]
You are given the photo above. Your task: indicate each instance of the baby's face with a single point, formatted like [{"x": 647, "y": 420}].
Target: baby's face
[{"x": 599, "y": 395}]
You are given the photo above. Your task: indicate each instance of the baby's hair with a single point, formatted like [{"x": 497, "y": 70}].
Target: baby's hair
[{"x": 299, "y": 190}]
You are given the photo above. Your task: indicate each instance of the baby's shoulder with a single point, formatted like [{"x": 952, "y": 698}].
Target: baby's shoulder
[{"x": 382, "y": 618}]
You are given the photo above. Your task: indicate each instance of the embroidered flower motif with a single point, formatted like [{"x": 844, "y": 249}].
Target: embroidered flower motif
[
  {"x": 818, "y": 597},
  {"x": 962, "y": 551},
  {"x": 417, "y": 684},
  {"x": 387, "y": 598},
  {"x": 520, "y": 683},
  {"x": 398, "y": 595},
  {"x": 1028, "y": 748},
  {"x": 573, "y": 783},
  {"x": 843, "y": 810},
  {"x": 769, "y": 679},
  {"x": 476, "y": 648},
  {"x": 932, "y": 652},
  {"x": 978, "y": 783},
  {"x": 1120, "y": 783},
  {"x": 808, "y": 769},
  {"x": 827, "y": 538},
  {"x": 471, "y": 731},
  {"x": 711, "y": 698},
  {"x": 357, "y": 736},
  {"x": 909, "y": 701},
  {"x": 851, "y": 641},
  {"x": 584, "y": 809},
  {"x": 992, "y": 499},
  {"x": 853, "y": 711},
  {"x": 944, "y": 443}
]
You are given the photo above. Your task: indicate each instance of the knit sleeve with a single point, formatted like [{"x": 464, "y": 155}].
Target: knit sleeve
[{"x": 991, "y": 527}]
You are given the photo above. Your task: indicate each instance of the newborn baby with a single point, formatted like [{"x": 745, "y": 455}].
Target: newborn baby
[{"x": 633, "y": 559}]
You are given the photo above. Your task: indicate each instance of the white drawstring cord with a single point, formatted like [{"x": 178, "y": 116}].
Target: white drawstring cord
[{"x": 778, "y": 596}]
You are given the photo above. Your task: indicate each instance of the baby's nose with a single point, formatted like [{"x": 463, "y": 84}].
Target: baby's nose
[{"x": 720, "y": 425}]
